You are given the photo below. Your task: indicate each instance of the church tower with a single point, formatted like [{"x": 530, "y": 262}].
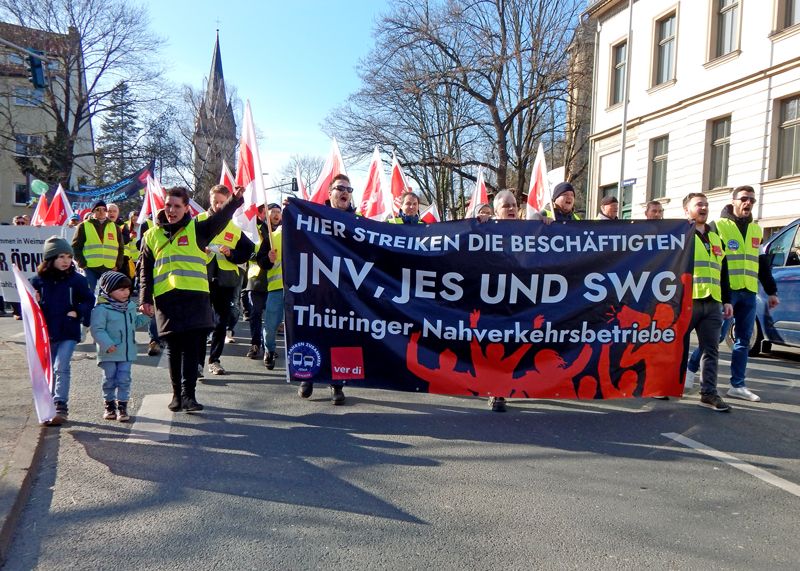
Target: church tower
[{"x": 215, "y": 131}]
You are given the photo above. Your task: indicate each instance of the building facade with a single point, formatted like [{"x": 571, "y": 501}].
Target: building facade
[
  {"x": 215, "y": 130},
  {"x": 25, "y": 120},
  {"x": 713, "y": 103}
]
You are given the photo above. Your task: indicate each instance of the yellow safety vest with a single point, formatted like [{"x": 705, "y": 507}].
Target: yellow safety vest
[
  {"x": 549, "y": 214},
  {"x": 253, "y": 269},
  {"x": 707, "y": 267},
  {"x": 741, "y": 253},
  {"x": 100, "y": 253},
  {"x": 228, "y": 237},
  {"x": 275, "y": 273},
  {"x": 179, "y": 262},
  {"x": 399, "y": 220}
]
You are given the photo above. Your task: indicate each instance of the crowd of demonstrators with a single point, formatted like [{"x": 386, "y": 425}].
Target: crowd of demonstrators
[
  {"x": 66, "y": 301},
  {"x": 741, "y": 238},
  {"x": 173, "y": 277},
  {"x": 113, "y": 323},
  {"x": 98, "y": 244},
  {"x": 226, "y": 249}
]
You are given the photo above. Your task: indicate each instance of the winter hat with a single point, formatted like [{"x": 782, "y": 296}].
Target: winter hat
[
  {"x": 55, "y": 246},
  {"x": 561, "y": 188},
  {"x": 98, "y": 204},
  {"x": 272, "y": 205},
  {"x": 110, "y": 281}
]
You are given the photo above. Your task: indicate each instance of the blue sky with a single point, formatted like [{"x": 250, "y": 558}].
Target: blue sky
[{"x": 294, "y": 60}]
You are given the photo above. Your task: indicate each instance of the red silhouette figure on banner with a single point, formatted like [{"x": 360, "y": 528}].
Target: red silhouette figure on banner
[{"x": 444, "y": 379}]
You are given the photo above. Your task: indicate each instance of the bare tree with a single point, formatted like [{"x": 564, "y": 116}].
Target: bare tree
[
  {"x": 103, "y": 41},
  {"x": 458, "y": 84},
  {"x": 310, "y": 167}
]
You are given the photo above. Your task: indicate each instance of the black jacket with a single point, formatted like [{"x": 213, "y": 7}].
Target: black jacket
[{"x": 62, "y": 292}]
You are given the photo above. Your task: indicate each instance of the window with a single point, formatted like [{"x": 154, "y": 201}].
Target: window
[
  {"x": 28, "y": 145},
  {"x": 658, "y": 167},
  {"x": 789, "y": 137},
  {"x": 720, "y": 150},
  {"x": 619, "y": 59},
  {"x": 28, "y": 96},
  {"x": 727, "y": 27},
  {"x": 21, "y": 193},
  {"x": 788, "y": 13},
  {"x": 665, "y": 50}
]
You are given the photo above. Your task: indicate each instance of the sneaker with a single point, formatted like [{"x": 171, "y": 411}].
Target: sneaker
[
  {"x": 714, "y": 402},
  {"x": 743, "y": 393},
  {"x": 688, "y": 385},
  {"x": 497, "y": 404},
  {"x": 230, "y": 338},
  {"x": 110, "y": 410},
  {"x": 337, "y": 395},
  {"x": 254, "y": 352},
  {"x": 305, "y": 390},
  {"x": 122, "y": 411},
  {"x": 269, "y": 359},
  {"x": 200, "y": 374},
  {"x": 216, "y": 369},
  {"x": 154, "y": 348}
]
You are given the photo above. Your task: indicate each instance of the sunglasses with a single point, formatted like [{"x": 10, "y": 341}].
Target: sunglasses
[
  {"x": 343, "y": 188},
  {"x": 749, "y": 199}
]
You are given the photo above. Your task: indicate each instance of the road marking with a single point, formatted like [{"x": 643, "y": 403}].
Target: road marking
[
  {"x": 735, "y": 462},
  {"x": 152, "y": 421}
]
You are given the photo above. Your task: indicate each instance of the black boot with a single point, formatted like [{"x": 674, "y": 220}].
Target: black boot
[
  {"x": 188, "y": 401},
  {"x": 175, "y": 404},
  {"x": 111, "y": 410}
]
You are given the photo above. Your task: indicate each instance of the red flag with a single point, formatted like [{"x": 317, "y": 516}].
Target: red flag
[
  {"x": 333, "y": 165},
  {"x": 248, "y": 175},
  {"x": 398, "y": 182},
  {"x": 479, "y": 196},
  {"x": 154, "y": 200},
  {"x": 301, "y": 186},
  {"x": 194, "y": 208},
  {"x": 226, "y": 176},
  {"x": 431, "y": 214},
  {"x": 375, "y": 202},
  {"x": 37, "y": 348},
  {"x": 539, "y": 190},
  {"x": 60, "y": 209},
  {"x": 41, "y": 211}
]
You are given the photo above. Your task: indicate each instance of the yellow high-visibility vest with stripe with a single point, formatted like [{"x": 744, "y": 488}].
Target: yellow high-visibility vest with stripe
[
  {"x": 275, "y": 273},
  {"x": 741, "y": 253},
  {"x": 228, "y": 237},
  {"x": 707, "y": 267},
  {"x": 100, "y": 253},
  {"x": 179, "y": 262},
  {"x": 549, "y": 214}
]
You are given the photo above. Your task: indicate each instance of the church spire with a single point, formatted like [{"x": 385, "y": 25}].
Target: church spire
[{"x": 215, "y": 99}]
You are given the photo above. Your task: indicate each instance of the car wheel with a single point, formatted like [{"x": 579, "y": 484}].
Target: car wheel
[{"x": 754, "y": 346}]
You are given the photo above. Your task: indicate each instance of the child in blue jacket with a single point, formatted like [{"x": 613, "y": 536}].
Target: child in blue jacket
[
  {"x": 114, "y": 323},
  {"x": 66, "y": 302}
]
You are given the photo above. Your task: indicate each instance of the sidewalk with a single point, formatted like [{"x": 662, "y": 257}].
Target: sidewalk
[{"x": 20, "y": 433}]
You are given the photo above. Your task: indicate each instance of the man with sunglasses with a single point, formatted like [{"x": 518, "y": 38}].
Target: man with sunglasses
[
  {"x": 742, "y": 237},
  {"x": 339, "y": 197}
]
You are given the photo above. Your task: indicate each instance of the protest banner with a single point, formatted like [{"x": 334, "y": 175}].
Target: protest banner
[
  {"x": 505, "y": 308},
  {"x": 23, "y": 245}
]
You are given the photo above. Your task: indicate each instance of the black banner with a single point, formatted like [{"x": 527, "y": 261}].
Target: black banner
[
  {"x": 591, "y": 309},
  {"x": 127, "y": 187}
]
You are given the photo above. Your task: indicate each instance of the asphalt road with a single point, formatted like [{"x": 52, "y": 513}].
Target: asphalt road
[{"x": 263, "y": 480}]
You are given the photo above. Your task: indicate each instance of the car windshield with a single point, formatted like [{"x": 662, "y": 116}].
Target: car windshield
[{"x": 784, "y": 250}]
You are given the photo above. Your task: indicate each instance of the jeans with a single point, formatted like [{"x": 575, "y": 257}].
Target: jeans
[
  {"x": 273, "y": 316},
  {"x": 152, "y": 330},
  {"x": 92, "y": 275},
  {"x": 61, "y": 354},
  {"x": 116, "y": 380},
  {"x": 744, "y": 319},
  {"x": 707, "y": 323},
  {"x": 257, "y": 300},
  {"x": 221, "y": 301}
]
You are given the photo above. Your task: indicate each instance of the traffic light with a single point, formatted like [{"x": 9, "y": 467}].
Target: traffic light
[
  {"x": 294, "y": 185},
  {"x": 36, "y": 67}
]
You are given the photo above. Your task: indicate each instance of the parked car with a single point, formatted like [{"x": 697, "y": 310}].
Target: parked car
[{"x": 781, "y": 325}]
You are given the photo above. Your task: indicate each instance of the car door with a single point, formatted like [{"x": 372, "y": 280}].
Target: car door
[{"x": 783, "y": 251}]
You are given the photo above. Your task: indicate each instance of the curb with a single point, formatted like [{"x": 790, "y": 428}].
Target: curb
[{"x": 18, "y": 481}]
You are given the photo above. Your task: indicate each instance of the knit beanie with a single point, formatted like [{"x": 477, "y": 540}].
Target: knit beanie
[
  {"x": 55, "y": 246},
  {"x": 561, "y": 188},
  {"x": 98, "y": 204},
  {"x": 110, "y": 281}
]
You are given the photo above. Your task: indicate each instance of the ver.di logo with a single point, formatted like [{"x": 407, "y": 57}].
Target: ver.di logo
[{"x": 304, "y": 360}]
